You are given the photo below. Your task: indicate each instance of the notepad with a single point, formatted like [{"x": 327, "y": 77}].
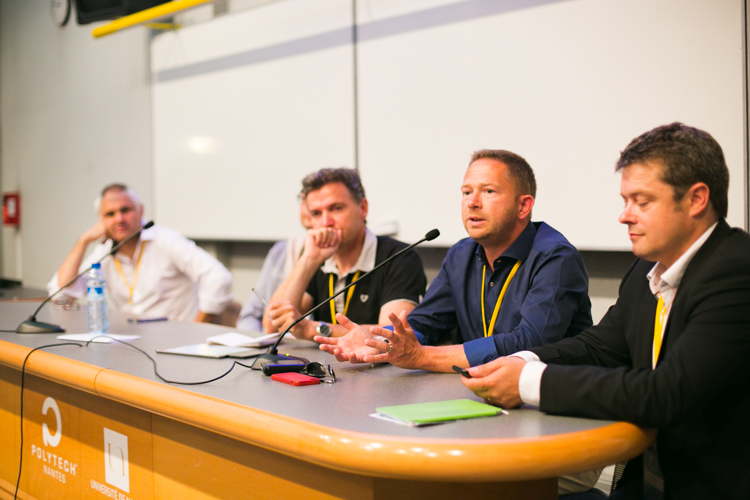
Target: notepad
[
  {"x": 100, "y": 338},
  {"x": 234, "y": 339},
  {"x": 438, "y": 411},
  {"x": 213, "y": 351}
]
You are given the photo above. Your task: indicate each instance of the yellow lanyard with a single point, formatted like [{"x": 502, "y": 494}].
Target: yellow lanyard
[
  {"x": 348, "y": 296},
  {"x": 487, "y": 332},
  {"x": 658, "y": 328},
  {"x": 135, "y": 273}
]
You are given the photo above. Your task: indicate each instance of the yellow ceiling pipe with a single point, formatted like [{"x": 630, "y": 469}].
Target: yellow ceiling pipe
[
  {"x": 163, "y": 26},
  {"x": 145, "y": 16}
]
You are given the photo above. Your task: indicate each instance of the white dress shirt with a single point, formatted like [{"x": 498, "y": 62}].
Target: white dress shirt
[
  {"x": 176, "y": 279},
  {"x": 662, "y": 282}
]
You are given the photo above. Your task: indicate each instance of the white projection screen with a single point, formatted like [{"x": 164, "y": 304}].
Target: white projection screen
[{"x": 245, "y": 105}]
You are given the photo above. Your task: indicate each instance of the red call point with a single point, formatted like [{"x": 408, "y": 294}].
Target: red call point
[{"x": 12, "y": 209}]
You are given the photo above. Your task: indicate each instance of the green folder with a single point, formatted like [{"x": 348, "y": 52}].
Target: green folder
[{"x": 439, "y": 411}]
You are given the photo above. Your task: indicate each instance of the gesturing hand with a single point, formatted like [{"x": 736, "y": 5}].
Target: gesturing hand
[
  {"x": 351, "y": 347},
  {"x": 402, "y": 349}
]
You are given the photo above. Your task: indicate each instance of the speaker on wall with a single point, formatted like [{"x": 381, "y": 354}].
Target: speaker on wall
[{"x": 89, "y": 11}]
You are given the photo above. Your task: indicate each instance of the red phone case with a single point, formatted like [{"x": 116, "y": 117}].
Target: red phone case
[{"x": 294, "y": 378}]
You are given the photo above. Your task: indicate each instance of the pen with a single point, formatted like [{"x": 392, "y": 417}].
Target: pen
[
  {"x": 261, "y": 298},
  {"x": 145, "y": 320}
]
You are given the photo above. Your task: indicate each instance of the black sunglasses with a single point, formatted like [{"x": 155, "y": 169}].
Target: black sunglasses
[{"x": 317, "y": 370}]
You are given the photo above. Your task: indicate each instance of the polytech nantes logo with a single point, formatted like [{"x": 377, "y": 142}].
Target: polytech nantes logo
[
  {"x": 116, "y": 466},
  {"x": 53, "y": 465}
]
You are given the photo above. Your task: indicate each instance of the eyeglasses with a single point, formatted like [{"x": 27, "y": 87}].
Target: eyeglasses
[{"x": 317, "y": 370}]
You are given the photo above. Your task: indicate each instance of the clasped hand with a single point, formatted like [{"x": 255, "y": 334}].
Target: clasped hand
[
  {"x": 282, "y": 314},
  {"x": 497, "y": 381},
  {"x": 321, "y": 243},
  {"x": 96, "y": 232}
]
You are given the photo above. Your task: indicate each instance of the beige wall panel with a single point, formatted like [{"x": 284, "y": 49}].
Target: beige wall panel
[{"x": 190, "y": 463}]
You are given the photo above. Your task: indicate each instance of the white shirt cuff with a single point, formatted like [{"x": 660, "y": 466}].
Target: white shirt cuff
[
  {"x": 527, "y": 356},
  {"x": 530, "y": 382}
]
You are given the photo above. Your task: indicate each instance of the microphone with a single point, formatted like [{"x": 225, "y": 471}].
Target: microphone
[
  {"x": 272, "y": 355},
  {"x": 31, "y": 325}
]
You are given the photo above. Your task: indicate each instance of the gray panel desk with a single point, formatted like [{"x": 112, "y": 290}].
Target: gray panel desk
[
  {"x": 21, "y": 293},
  {"x": 99, "y": 424}
]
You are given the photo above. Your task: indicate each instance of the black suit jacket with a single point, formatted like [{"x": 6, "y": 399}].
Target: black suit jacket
[{"x": 699, "y": 394}]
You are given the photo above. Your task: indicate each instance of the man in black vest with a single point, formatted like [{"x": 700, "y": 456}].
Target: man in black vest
[{"x": 339, "y": 248}]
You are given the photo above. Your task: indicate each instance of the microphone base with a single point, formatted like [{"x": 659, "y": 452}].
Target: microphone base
[
  {"x": 272, "y": 359},
  {"x": 31, "y": 326}
]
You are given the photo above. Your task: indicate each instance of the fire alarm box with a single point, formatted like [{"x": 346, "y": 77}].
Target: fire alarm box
[{"x": 12, "y": 209}]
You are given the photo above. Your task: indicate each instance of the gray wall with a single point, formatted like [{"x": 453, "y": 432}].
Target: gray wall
[
  {"x": 244, "y": 259},
  {"x": 75, "y": 115}
]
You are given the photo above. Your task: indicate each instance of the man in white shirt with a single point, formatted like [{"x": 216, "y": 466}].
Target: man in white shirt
[
  {"x": 158, "y": 274},
  {"x": 671, "y": 353}
]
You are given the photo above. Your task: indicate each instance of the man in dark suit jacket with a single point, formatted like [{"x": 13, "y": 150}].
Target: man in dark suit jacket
[{"x": 670, "y": 353}]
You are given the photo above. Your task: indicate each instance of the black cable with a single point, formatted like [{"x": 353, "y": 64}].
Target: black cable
[
  {"x": 8, "y": 331},
  {"x": 156, "y": 371},
  {"x": 747, "y": 115},
  {"x": 23, "y": 374}
]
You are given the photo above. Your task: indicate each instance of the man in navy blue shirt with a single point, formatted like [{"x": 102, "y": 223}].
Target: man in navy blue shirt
[{"x": 511, "y": 285}]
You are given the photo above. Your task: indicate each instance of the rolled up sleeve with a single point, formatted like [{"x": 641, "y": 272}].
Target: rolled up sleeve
[{"x": 214, "y": 281}]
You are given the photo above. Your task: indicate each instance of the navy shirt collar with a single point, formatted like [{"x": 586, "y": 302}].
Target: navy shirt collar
[{"x": 518, "y": 250}]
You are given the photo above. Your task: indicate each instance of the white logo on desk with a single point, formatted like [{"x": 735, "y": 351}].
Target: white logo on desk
[
  {"x": 56, "y": 466},
  {"x": 116, "y": 470},
  {"x": 49, "y": 438}
]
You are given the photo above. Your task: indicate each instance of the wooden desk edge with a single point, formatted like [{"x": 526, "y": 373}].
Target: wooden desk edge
[
  {"x": 462, "y": 460},
  {"x": 50, "y": 366}
]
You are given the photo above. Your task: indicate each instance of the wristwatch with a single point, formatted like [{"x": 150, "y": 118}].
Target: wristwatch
[{"x": 323, "y": 330}]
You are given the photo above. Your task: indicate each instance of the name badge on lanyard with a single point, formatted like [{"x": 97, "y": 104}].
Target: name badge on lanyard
[
  {"x": 348, "y": 296},
  {"x": 487, "y": 332},
  {"x": 131, "y": 287}
]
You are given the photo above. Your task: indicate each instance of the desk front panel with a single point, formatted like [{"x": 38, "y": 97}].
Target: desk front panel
[
  {"x": 77, "y": 445},
  {"x": 246, "y": 429}
]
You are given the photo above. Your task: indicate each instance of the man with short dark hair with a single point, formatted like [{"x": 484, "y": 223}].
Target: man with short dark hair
[
  {"x": 671, "y": 353},
  {"x": 511, "y": 285},
  {"x": 159, "y": 273},
  {"x": 339, "y": 249}
]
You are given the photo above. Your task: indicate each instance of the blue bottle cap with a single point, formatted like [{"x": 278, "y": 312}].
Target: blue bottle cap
[{"x": 96, "y": 266}]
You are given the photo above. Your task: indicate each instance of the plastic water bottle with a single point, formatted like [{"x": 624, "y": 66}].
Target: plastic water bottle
[{"x": 98, "y": 319}]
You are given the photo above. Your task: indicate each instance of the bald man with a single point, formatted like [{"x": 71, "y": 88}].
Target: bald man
[{"x": 158, "y": 274}]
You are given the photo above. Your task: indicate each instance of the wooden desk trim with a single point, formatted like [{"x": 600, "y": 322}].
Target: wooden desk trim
[
  {"x": 65, "y": 371},
  {"x": 461, "y": 460}
]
